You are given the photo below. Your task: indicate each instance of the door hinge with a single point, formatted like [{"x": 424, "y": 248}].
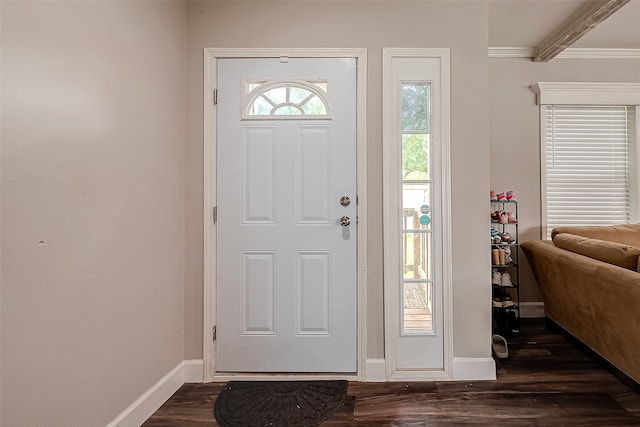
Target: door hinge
[
  {"x": 214, "y": 334},
  {"x": 215, "y": 97},
  {"x": 214, "y": 214}
]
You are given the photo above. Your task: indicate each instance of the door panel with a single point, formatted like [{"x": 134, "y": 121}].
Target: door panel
[
  {"x": 286, "y": 279},
  {"x": 259, "y": 175}
]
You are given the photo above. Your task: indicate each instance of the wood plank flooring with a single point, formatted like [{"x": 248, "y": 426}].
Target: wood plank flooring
[{"x": 546, "y": 381}]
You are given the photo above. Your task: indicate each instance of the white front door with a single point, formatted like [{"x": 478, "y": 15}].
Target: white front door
[{"x": 286, "y": 230}]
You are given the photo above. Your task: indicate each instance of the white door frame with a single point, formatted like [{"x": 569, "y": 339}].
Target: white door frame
[
  {"x": 211, "y": 56},
  {"x": 442, "y": 241}
]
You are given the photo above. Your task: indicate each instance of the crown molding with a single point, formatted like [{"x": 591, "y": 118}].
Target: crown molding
[
  {"x": 569, "y": 53},
  {"x": 512, "y": 52}
]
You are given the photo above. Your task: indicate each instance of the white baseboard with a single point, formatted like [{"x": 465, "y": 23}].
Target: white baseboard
[
  {"x": 529, "y": 310},
  {"x": 375, "y": 371},
  {"x": 193, "y": 371},
  {"x": 473, "y": 368},
  {"x": 463, "y": 368},
  {"x": 140, "y": 410}
]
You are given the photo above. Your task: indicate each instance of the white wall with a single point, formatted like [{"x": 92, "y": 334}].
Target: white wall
[
  {"x": 461, "y": 26},
  {"x": 515, "y": 131},
  {"x": 93, "y": 102}
]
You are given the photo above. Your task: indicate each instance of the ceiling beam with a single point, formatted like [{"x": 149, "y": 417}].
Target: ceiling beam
[{"x": 583, "y": 21}]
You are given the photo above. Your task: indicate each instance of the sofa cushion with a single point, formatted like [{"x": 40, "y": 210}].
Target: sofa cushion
[
  {"x": 619, "y": 254},
  {"x": 628, "y": 234}
]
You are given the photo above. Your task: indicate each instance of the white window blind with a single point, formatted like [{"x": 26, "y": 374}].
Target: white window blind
[{"x": 589, "y": 154}]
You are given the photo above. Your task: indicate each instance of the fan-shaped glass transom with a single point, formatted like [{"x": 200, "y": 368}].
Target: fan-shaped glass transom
[{"x": 286, "y": 100}]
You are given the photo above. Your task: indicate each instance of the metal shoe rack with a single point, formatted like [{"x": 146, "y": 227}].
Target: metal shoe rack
[{"x": 504, "y": 260}]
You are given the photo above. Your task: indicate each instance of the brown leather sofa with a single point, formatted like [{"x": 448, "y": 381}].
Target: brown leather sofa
[{"x": 589, "y": 280}]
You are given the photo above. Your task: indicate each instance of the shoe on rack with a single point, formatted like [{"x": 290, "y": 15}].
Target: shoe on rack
[
  {"x": 511, "y": 196},
  {"x": 502, "y": 256},
  {"x": 495, "y": 216},
  {"x": 504, "y": 217},
  {"x": 496, "y": 277},
  {"x": 505, "y": 280},
  {"x": 507, "y": 301},
  {"x": 499, "y": 346},
  {"x": 507, "y": 255},
  {"x": 502, "y": 197},
  {"x": 497, "y": 302},
  {"x": 512, "y": 320},
  {"x": 493, "y": 196},
  {"x": 506, "y": 237},
  {"x": 495, "y": 256},
  {"x": 510, "y": 218}
]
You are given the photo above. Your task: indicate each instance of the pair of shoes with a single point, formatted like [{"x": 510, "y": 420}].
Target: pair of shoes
[
  {"x": 500, "y": 256},
  {"x": 499, "y": 346},
  {"x": 500, "y": 279},
  {"x": 506, "y": 237},
  {"x": 503, "y": 217},
  {"x": 503, "y": 301},
  {"x": 508, "y": 196}
]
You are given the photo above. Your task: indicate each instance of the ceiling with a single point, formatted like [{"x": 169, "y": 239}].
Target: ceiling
[{"x": 525, "y": 23}]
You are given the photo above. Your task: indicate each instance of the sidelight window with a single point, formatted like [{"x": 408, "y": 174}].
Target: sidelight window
[{"x": 417, "y": 280}]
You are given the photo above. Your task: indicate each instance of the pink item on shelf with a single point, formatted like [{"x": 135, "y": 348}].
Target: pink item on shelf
[{"x": 504, "y": 217}]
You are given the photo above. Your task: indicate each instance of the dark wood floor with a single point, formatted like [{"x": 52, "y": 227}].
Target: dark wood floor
[{"x": 546, "y": 381}]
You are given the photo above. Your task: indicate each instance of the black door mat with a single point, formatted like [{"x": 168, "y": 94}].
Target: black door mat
[{"x": 278, "y": 403}]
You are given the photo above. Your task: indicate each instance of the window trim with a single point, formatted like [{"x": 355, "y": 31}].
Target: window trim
[
  {"x": 442, "y": 209},
  {"x": 583, "y": 93},
  {"x": 586, "y": 93}
]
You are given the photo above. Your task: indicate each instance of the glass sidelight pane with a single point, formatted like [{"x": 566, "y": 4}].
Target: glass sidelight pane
[
  {"x": 416, "y": 259},
  {"x": 415, "y": 107},
  {"x": 415, "y": 156},
  {"x": 416, "y": 206},
  {"x": 417, "y": 307}
]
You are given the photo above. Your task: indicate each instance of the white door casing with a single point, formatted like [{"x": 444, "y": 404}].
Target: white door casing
[
  {"x": 273, "y": 181},
  {"x": 426, "y": 355}
]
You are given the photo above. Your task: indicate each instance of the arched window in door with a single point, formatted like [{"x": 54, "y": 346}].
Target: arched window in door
[{"x": 286, "y": 100}]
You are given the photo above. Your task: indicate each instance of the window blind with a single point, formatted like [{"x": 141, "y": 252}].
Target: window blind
[{"x": 589, "y": 153}]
